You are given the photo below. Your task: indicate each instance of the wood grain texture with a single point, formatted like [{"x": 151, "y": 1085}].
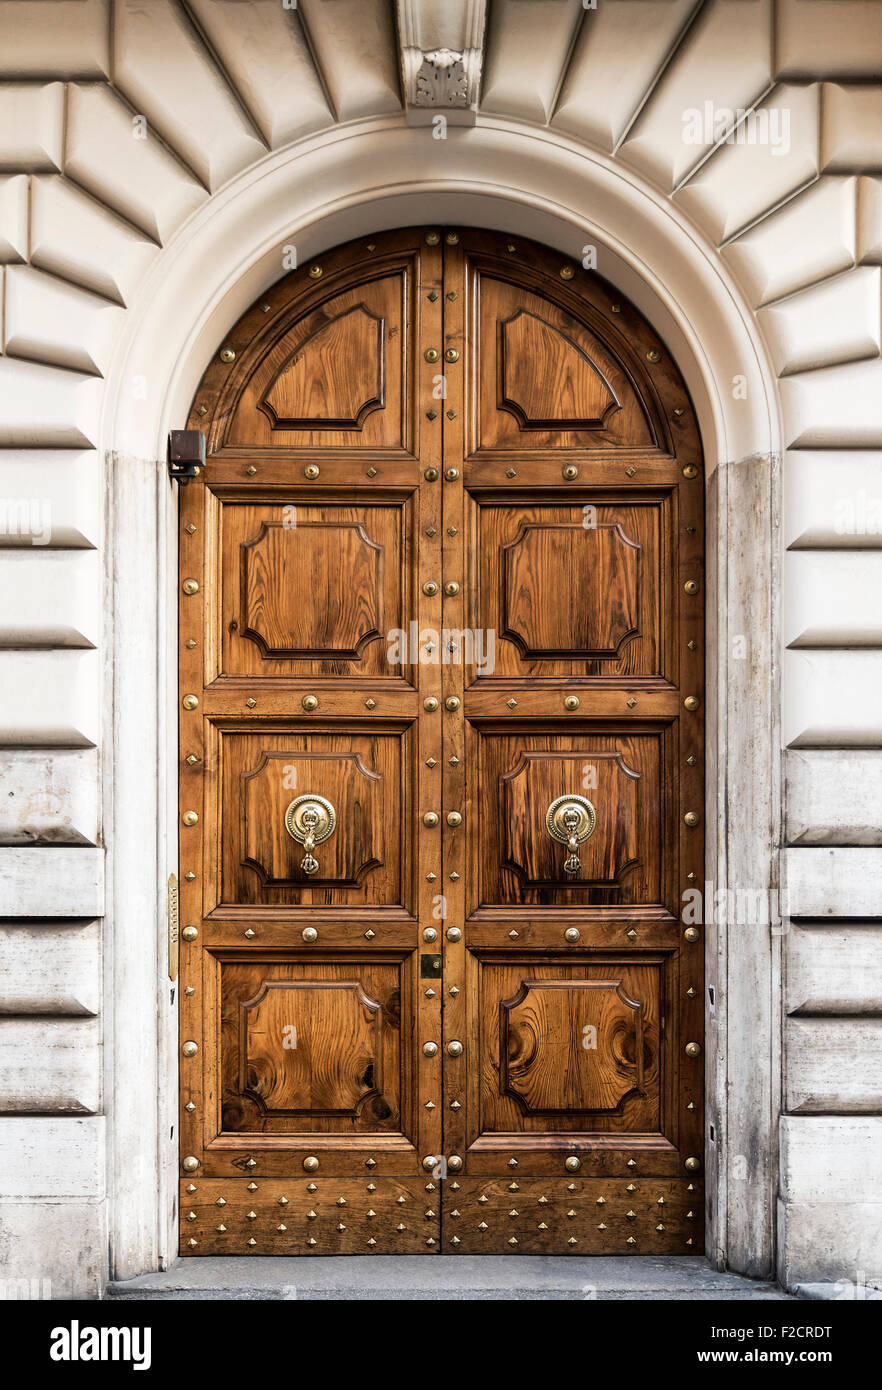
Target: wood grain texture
[{"x": 446, "y": 473}]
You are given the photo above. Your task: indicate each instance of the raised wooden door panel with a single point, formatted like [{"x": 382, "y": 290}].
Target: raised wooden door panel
[
  {"x": 572, "y": 1047},
  {"x": 312, "y": 1048},
  {"x": 575, "y": 588},
  {"x": 312, "y": 587},
  {"x": 366, "y": 776},
  {"x": 622, "y": 773},
  {"x": 336, "y": 371},
  {"x": 549, "y": 373}
]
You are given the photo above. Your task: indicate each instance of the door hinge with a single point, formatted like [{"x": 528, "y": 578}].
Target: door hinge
[
  {"x": 173, "y": 935},
  {"x": 186, "y": 455}
]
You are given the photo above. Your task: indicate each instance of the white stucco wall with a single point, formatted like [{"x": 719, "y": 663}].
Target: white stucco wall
[{"x": 93, "y": 217}]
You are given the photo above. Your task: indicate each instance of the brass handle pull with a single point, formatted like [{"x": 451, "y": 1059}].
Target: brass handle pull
[
  {"x": 309, "y": 820},
  {"x": 570, "y": 820}
]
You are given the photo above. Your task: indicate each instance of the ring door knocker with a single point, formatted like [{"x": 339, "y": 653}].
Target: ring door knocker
[
  {"x": 571, "y": 819},
  {"x": 309, "y": 820}
]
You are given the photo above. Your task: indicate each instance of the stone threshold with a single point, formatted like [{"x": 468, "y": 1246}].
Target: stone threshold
[{"x": 444, "y": 1277}]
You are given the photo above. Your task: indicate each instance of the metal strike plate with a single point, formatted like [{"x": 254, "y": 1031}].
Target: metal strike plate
[
  {"x": 430, "y": 967},
  {"x": 173, "y": 935}
]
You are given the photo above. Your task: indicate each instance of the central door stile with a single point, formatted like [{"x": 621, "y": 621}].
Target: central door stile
[
  {"x": 425, "y": 674},
  {"x": 456, "y": 827}
]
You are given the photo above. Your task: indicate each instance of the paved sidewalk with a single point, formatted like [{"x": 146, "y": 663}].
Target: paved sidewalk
[{"x": 460, "y": 1277}]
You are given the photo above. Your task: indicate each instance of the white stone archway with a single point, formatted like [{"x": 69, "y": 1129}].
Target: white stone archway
[{"x": 350, "y": 181}]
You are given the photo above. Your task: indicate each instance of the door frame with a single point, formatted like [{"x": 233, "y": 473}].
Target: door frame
[{"x": 318, "y": 194}]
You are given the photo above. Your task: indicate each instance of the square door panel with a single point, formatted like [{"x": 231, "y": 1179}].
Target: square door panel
[
  {"x": 575, "y": 589},
  {"x": 312, "y": 1046},
  {"x": 312, "y": 588},
  {"x": 571, "y": 1047},
  {"x": 620, "y": 773},
  {"x": 366, "y": 861}
]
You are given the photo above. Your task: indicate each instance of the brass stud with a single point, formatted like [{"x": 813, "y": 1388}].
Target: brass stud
[
  {"x": 454, "y": 1163},
  {"x": 570, "y": 472},
  {"x": 630, "y": 470},
  {"x": 190, "y": 933},
  {"x": 372, "y": 1187},
  {"x": 265, "y": 308},
  {"x": 483, "y": 1226},
  {"x": 632, "y": 1163},
  {"x": 311, "y": 1241},
  {"x": 631, "y": 934},
  {"x": 692, "y": 1049},
  {"x": 282, "y": 1227},
  {"x": 432, "y": 238},
  {"x": 690, "y": 993},
  {"x": 251, "y": 1163},
  {"x": 251, "y": 702},
  {"x": 430, "y": 819},
  {"x": 691, "y": 586},
  {"x": 311, "y": 471},
  {"x": 221, "y": 1229},
  {"x": 454, "y": 934},
  {"x": 191, "y": 1216},
  {"x": 692, "y": 1165},
  {"x": 190, "y": 586},
  {"x": 309, "y": 703},
  {"x": 601, "y": 1202},
  {"x": 192, "y": 760},
  {"x": 340, "y": 1226},
  {"x": 250, "y": 933},
  {"x": 432, "y": 296},
  {"x": 341, "y": 1201},
  {"x": 513, "y": 1240},
  {"x": 192, "y": 1243},
  {"x": 451, "y": 588},
  {"x": 691, "y": 818},
  {"x": 690, "y": 471},
  {"x": 309, "y": 934},
  {"x": 431, "y": 475},
  {"x": 227, "y": 355},
  {"x": 252, "y": 1216},
  {"x": 430, "y": 1049},
  {"x": 453, "y": 991},
  {"x": 571, "y": 1187},
  {"x": 251, "y": 470},
  {"x": 190, "y": 1108},
  {"x": 451, "y": 474},
  {"x": 691, "y": 933},
  {"x": 190, "y": 817},
  {"x": 452, "y": 703},
  {"x": 692, "y": 644},
  {"x": 430, "y": 589},
  {"x": 573, "y": 1164},
  {"x": 566, "y": 272},
  {"x": 455, "y": 1105},
  {"x": 454, "y": 819},
  {"x": 630, "y": 1241},
  {"x": 431, "y": 415},
  {"x": 572, "y": 1241},
  {"x": 511, "y": 248},
  {"x": 370, "y": 704},
  {"x": 571, "y": 702},
  {"x": 451, "y": 355},
  {"x": 430, "y": 934},
  {"x": 452, "y": 238},
  {"x": 311, "y": 1187},
  {"x": 429, "y": 1214},
  {"x": 190, "y": 643},
  {"x": 311, "y": 1215},
  {"x": 572, "y": 934},
  {"x": 310, "y": 1164},
  {"x": 483, "y": 1199},
  {"x": 430, "y": 1162},
  {"x": 315, "y": 272},
  {"x": 190, "y": 1164},
  {"x": 454, "y": 1048},
  {"x": 451, "y": 414},
  {"x": 190, "y": 529},
  {"x": 511, "y": 473},
  {"x": 691, "y": 702},
  {"x": 513, "y": 935},
  {"x": 202, "y": 410},
  {"x": 369, "y": 935},
  {"x": 653, "y": 355},
  {"x": 283, "y": 1201},
  {"x": 602, "y": 1226},
  {"x": 372, "y": 473},
  {"x": 512, "y": 702},
  {"x": 615, "y": 308},
  {"x": 431, "y": 354},
  {"x": 542, "y": 1226}
]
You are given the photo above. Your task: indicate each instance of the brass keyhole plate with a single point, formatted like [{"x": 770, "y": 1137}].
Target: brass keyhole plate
[
  {"x": 298, "y": 817},
  {"x": 562, "y": 810}
]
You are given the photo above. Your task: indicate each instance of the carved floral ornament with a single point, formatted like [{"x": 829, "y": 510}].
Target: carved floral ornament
[{"x": 441, "y": 79}]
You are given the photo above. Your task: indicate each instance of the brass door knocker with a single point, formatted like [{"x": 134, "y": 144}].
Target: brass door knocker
[
  {"x": 571, "y": 819},
  {"x": 309, "y": 820}
]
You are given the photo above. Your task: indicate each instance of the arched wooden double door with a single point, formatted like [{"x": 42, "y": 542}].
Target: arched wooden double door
[{"x": 441, "y": 770}]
